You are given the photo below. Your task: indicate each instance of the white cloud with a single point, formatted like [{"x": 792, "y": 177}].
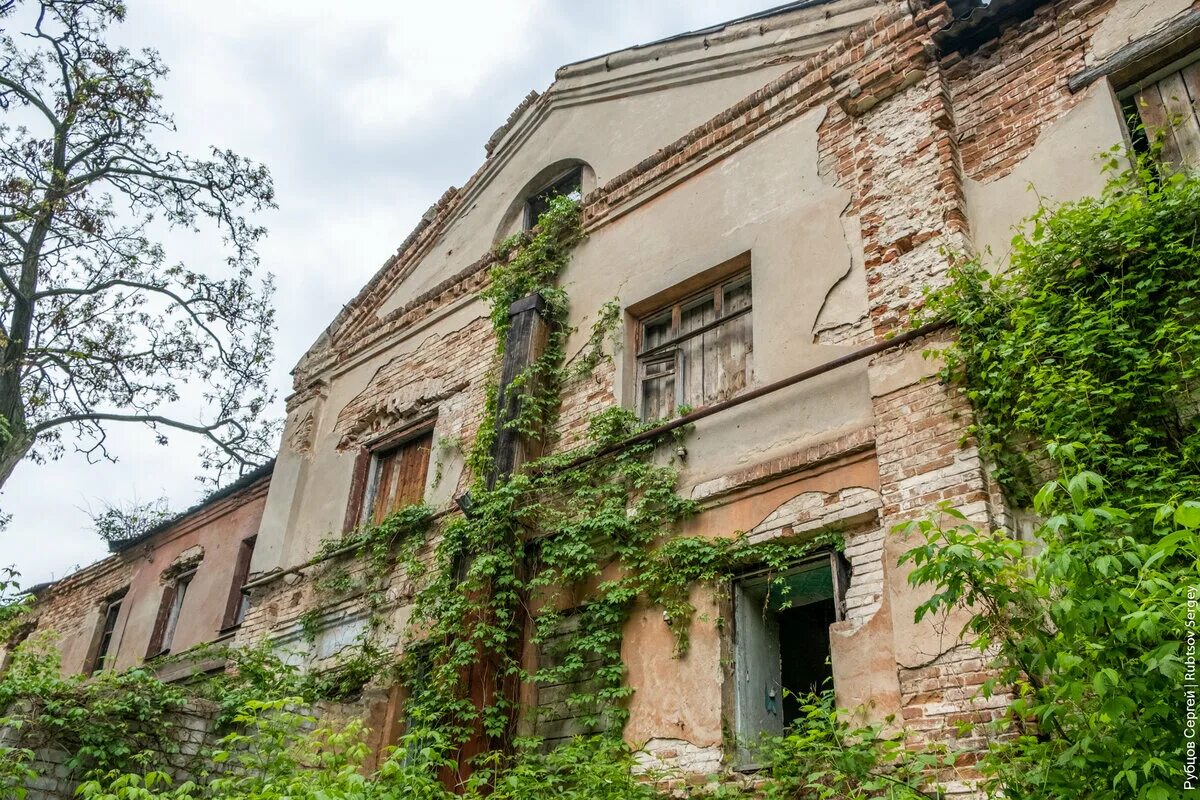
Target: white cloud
[{"x": 365, "y": 112}]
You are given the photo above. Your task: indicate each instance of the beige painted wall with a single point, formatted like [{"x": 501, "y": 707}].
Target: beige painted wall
[
  {"x": 1130, "y": 20},
  {"x": 767, "y": 200},
  {"x": 1065, "y": 164}
]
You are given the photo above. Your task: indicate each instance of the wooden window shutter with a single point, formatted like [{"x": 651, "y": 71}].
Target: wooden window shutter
[
  {"x": 696, "y": 351},
  {"x": 1170, "y": 110},
  {"x": 358, "y": 489},
  {"x": 234, "y": 605},
  {"x": 400, "y": 476},
  {"x": 160, "y": 621}
]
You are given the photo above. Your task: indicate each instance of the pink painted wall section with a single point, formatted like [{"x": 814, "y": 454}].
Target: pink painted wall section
[{"x": 211, "y": 538}]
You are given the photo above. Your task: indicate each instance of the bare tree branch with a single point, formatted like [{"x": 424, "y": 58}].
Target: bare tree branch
[{"x": 98, "y": 327}]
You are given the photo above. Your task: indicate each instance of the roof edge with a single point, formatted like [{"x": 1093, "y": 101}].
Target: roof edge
[{"x": 242, "y": 483}]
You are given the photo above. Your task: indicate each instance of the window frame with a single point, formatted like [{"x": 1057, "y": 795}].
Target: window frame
[
  {"x": 670, "y": 350},
  {"x": 364, "y": 485},
  {"x": 1153, "y": 71},
  {"x": 839, "y": 566},
  {"x": 105, "y": 635},
  {"x": 170, "y": 610},
  {"x": 573, "y": 174},
  {"x": 239, "y": 601}
]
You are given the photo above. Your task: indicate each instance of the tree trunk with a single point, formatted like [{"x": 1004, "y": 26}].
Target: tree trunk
[{"x": 11, "y": 453}]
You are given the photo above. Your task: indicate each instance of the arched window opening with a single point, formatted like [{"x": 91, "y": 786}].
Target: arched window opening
[{"x": 566, "y": 184}]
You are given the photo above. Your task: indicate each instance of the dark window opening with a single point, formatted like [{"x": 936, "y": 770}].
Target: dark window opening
[
  {"x": 781, "y": 645},
  {"x": 804, "y": 653},
  {"x": 108, "y": 628},
  {"x": 568, "y": 185}
]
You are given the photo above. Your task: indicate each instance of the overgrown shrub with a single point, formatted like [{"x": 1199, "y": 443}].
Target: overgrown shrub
[
  {"x": 1088, "y": 347},
  {"x": 110, "y": 721}
]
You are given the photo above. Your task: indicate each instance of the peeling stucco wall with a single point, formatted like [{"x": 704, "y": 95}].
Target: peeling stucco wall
[
  {"x": 1065, "y": 164},
  {"x": 1130, "y": 20}
]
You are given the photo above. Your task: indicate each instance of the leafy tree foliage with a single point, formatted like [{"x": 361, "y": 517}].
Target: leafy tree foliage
[
  {"x": 124, "y": 522},
  {"x": 96, "y": 325}
]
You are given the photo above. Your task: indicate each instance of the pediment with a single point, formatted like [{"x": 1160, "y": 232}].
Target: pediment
[{"x": 613, "y": 112}]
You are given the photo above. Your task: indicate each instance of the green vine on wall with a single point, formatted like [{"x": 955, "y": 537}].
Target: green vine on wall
[
  {"x": 566, "y": 538},
  {"x": 1082, "y": 364},
  {"x": 577, "y": 541}
]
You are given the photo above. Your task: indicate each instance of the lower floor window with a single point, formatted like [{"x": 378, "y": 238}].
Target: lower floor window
[{"x": 781, "y": 644}]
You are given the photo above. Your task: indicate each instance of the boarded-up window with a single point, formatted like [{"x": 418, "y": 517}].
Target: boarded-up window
[
  {"x": 105, "y": 645},
  {"x": 1169, "y": 108},
  {"x": 397, "y": 477},
  {"x": 568, "y": 682},
  {"x": 697, "y": 351}
]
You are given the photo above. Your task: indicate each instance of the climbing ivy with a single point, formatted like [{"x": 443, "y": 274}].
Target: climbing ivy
[
  {"x": 569, "y": 525},
  {"x": 595, "y": 523},
  {"x": 1089, "y": 338},
  {"x": 1081, "y": 362}
]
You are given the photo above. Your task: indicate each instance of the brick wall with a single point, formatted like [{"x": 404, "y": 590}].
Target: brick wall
[
  {"x": 1008, "y": 90},
  {"x": 192, "y": 736}
]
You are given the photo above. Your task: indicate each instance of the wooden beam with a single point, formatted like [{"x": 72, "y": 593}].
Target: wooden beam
[
  {"x": 1133, "y": 61},
  {"x": 528, "y": 333}
]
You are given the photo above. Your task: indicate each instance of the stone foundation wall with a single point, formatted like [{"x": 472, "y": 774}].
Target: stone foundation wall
[{"x": 192, "y": 736}]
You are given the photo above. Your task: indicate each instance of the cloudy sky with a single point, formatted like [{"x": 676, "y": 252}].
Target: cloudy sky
[{"x": 365, "y": 112}]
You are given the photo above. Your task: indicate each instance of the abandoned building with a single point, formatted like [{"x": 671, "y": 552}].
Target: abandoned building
[
  {"x": 766, "y": 200},
  {"x": 172, "y": 587}
]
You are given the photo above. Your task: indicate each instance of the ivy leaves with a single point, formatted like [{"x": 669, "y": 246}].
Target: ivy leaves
[
  {"x": 1090, "y": 338},
  {"x": 1082, "y": 363}
]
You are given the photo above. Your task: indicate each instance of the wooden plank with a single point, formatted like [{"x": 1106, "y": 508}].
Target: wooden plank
[
  {"x": 559, "y": 694},
  {"x": 566, "y": 728},
  {"x": 1191, "y": 81},
  {"x": 414, "y": 466},
  {"x": 380, "y": 504},
  {"x": 695, "y": 316},
  {"x": 1181, "y": 116},
  {"x": 240, "y": 573},
  {"x": 1175, "y": 37},
  {"x": 160, "y": 621},
  {"x": 732, "y": 353},
  {"x": 1158, "y": 128},
  {"x": 358, "y": 490},
  {"x": 528, "y": 333}
]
